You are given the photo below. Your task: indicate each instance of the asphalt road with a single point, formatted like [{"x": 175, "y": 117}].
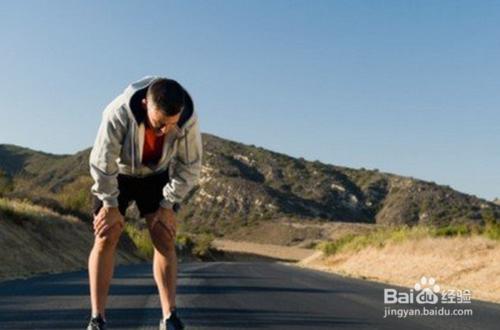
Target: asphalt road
[{"x": 222, "y": 295}]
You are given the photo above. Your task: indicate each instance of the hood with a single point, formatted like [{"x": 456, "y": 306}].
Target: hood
[{"x": 135, "y": 92}]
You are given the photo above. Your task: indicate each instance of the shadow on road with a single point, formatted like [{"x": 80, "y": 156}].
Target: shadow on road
[{"x": 240, "y": 319}]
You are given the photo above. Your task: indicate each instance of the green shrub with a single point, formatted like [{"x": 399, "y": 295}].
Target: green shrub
[
  {"x": 184, "y": 242},
  {"x": 203, "y": 244},
  {"x": 451, "y": 230},
  {"x": 75, "y": 201},
  {"x": 199, "y": 246},
  {"x": 492, "y": 231},
  {"x": 491, "y": 225},
  {"x": 76, "y": 195},
  {"x": 380, "y": 237},
  {"x": 332, "y": 247},
  {"x": 6, "y": 184},
  {"x": 142, "y": 241}
]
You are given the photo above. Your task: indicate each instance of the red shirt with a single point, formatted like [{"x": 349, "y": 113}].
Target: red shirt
[{"x": 153, "y": 146}]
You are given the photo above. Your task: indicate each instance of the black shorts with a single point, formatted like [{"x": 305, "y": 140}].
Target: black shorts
[{"x": 147, "y": 192}]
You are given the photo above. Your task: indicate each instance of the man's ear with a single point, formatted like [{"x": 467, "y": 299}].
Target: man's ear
[{"x": 144, "y": 103}]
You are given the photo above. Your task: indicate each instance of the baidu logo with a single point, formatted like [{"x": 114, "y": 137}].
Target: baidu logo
[
  {"x": 425, "y": 292},
  {"x": 428, "y": 291},
  {"x": 423, "y": 299}
]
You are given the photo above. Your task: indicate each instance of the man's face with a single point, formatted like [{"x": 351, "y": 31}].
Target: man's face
[{"x": 158, "y": 121}]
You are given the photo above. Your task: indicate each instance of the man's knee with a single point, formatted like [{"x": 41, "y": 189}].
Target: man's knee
[
  {"x": 161, "y": 239},
  {"x": 110, "y": 238}
]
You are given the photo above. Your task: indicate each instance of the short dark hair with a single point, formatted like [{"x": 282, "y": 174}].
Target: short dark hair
[{"x": 167, "y": 95}]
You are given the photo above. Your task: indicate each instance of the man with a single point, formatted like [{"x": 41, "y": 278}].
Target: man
[{"x": 148, "y": 149}]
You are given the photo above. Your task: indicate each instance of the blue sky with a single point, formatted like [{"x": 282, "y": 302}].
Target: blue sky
[{"x": 408, "y": 87}]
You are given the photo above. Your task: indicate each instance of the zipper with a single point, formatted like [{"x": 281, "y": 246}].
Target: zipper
[
  {"x": 133, "y": 147},
  {"x": 186, "y": 147}
]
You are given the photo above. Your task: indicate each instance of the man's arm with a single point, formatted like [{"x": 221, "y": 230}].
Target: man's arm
[
  {"x": 105, "y": 152},
  {"x": 187, "y": 166}
]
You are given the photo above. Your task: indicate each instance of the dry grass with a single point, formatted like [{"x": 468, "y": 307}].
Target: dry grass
[
  {"x": 35, "y": 239},
  {"x": 460, "y": 262},
  {"x": 267, "y": 250}
]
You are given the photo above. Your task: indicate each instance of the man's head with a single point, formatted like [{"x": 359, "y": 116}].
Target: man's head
[{"x": 164, "y": 103}]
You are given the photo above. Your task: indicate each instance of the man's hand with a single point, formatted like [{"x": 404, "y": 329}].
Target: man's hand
[
  {"x": 166, "y": 218},
  {"x": 107, "y": 218}
]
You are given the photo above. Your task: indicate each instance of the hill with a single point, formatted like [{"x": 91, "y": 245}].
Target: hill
[{"x": 243, "y": 186}]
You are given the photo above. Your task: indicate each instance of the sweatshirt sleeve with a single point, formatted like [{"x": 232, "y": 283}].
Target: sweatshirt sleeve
[
  {"x": 104, "y": 154},
  {"x": 186, "y": 166}
]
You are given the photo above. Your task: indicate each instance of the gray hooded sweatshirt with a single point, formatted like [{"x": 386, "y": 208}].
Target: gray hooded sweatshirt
[{"x": 119, "y": 144}]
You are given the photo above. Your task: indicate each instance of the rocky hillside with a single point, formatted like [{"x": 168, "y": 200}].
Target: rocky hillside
[{"x": 244, "y": 184}]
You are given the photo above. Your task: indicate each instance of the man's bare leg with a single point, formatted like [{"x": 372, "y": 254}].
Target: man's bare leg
[
  {"x": 164, "y": 267},
  {"x": 101, "y": 266},
  {"x": 165, "y": 274}
]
